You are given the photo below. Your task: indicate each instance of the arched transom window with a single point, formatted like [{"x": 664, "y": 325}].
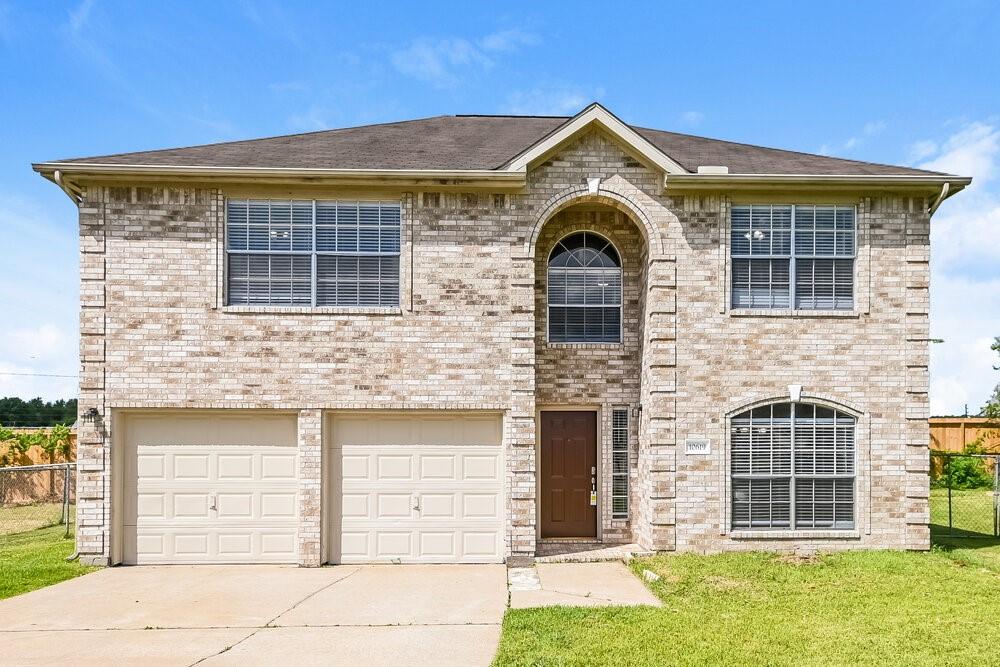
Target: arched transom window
[
  {"x": 585, "y": 291},
  {"x": 792, "y": 467}
]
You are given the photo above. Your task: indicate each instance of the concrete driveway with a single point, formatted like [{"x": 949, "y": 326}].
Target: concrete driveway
[{"x": 248, "y": 615}]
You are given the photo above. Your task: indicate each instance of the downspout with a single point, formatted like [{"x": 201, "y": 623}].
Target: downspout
[
  {"x": 66, "y": 187},
  {"x": 945, "y": 190}
]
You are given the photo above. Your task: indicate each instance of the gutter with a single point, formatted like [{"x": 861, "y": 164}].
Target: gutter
[
  {"x": 430, "y": 177},
  {"x": 934, "y": 182}
]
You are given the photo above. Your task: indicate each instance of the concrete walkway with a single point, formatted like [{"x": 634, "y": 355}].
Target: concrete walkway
[
  {"x": 599, "y": 584},
  {"x": 249, "y": 615}
]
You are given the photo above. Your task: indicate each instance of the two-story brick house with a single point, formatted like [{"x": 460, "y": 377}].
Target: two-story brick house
[{"x": 470, "y": 338}]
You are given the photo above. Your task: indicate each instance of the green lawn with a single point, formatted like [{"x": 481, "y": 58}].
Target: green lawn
[
  {"x": 21, "y": 518},
  {"x": 855, "y": 608},
  {"x": 35, "y": 559},
  {"x": 971, "y": 511}
]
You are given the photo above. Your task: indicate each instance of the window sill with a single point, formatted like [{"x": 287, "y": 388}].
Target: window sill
[
  {"x": 587, "y": 346},
  {"x": 306, "y": 310},
  {"x": 791, "y": 312},
  {"x": 795, "y": 534}
]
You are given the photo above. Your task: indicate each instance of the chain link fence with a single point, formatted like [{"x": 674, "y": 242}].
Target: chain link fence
[
  {"x": 965, "y": 494},
  {"x": 38, "y": 496}
]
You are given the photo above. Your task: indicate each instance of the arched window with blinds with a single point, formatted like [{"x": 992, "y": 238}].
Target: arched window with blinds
[
  {"x": 584, "y": 290},
  {"x": 793, "y": 467}
]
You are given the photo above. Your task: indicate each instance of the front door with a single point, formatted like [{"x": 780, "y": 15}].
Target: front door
[{"x": 569, "y": 474}]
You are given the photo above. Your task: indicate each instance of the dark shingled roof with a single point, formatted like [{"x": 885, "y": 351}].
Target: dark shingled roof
[{"x": 473, "y": 142}]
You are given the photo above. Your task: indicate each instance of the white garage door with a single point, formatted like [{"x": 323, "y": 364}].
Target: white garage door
[
  {"x": 417, "y": 489},
  {"x": 210, "y": 488}
]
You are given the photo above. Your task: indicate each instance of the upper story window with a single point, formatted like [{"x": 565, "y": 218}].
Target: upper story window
[
  {"x": 585, "y": 291},
  {"x": 312, "y": 253},
  {"x": 792, "y": 467},
  {"x": 799, "y": 256}
]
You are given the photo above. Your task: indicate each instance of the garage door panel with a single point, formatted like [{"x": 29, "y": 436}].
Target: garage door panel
[
  {"x": 438, "y": 506},
  {"x": 236, "y": 466},
  {"x": 481, "y": 467},
  {"x": 204, "y": 489},
  {"x": 277, "y": 505},
  {"x": 277, "y": 467},
  {"x": 235, "y": 505},
  {"x": 395, "y": 467},
  {"x": 480, "y": 506},
  {"x": 425, "y": 489},
  {"x": 190, "y": 466},
  {"x": 438, "y": 467},
  {"x": 190, "y": 506}
]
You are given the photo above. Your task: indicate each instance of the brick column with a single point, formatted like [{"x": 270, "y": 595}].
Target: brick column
[
  {"x": 93, "y": 483},
  {"x": 917, "y": 355},
  {"x": 519, "y": 427},
  {"x": 656, "y": 515},
  {"x": 310, "y": 441}
]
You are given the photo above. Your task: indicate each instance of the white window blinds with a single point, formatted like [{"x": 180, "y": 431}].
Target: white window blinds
[
  {"x": 788, "y": 256},
  {"x": 792, "y": 466},
  {"x": 312, "y": 253}
]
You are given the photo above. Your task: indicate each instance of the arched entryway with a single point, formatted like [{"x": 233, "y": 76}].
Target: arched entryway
[{"x": 590, "y": 267}]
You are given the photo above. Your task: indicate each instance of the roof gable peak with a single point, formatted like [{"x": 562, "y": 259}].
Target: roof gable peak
[{"x": 594, "y": 114}]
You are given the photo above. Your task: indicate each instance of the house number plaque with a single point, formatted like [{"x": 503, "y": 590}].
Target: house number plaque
[{"x": 697, "y": 446}]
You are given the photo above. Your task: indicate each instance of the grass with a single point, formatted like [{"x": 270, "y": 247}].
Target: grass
[
  {"x": 36, "y": 559},
  {"x": 20, "y": 518},
  {"x": 854, "y": 608},
  {"x": 971, "y": 511}
]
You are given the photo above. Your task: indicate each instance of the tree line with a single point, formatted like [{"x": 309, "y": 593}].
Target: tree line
[{"x": 16, "y": 412}]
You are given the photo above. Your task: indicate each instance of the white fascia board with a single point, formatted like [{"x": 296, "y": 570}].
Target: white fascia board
[
  {"x": 597, "y": 115},
  {"x": 719, "y": 181},
  {"x": 101, "y": 169}
]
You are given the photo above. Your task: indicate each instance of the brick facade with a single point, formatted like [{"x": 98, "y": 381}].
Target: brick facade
[{"x": 469, "y": 335}]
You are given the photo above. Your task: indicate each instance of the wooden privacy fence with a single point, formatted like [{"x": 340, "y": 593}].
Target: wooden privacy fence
[{"x": 952, "y": 434}]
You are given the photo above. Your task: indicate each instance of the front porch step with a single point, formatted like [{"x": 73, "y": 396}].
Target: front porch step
[{"x": 585, "y": 551}]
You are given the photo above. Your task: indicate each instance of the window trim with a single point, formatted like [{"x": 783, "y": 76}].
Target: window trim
[
  {"x": 402, "y": 255},
  {"x": 727, "y": 243},
  {"x": 860, "y": 479},
  {"x": 548, "y": 306}
]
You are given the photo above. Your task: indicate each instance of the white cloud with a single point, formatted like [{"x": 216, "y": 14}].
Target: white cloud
[
  {"x": 972, "y": 151},
  {"x": 870, "y": 129},
  {"x": 310, "y": 120},
  {"x": 440, "y": 61},
  {"x": 965, "y": 268},
  {"x": 507, "y": 40},
  {"x": 692, "y": 118},
  {"x": 550, "y": 100},
  {"x": 921, "y": 150}
]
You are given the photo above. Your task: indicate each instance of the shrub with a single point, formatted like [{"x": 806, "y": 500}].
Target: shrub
[{"x": 966, "y": 472}]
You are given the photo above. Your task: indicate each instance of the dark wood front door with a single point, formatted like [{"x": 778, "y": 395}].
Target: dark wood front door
[{"x": 568, "y": 474}]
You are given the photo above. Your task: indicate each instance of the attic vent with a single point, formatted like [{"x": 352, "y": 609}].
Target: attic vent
[{"x": 708, "y": 169}]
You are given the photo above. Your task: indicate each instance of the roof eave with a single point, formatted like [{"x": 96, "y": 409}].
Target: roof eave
[
  {"x": 929, "y": 182},
  {"x": 430, "y": 178}
]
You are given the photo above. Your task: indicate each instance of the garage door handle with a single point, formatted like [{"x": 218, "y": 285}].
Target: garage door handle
[
  {"x": 214, "y": 503},
  {"x": 416, "y": 503}
]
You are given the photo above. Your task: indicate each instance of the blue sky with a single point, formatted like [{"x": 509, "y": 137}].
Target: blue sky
[{"x": 901, "y": 82}]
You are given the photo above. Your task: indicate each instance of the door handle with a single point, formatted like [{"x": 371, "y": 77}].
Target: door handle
[
  {"x": 213, "y": 502},
  {"x": 416, "y": 502}
]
